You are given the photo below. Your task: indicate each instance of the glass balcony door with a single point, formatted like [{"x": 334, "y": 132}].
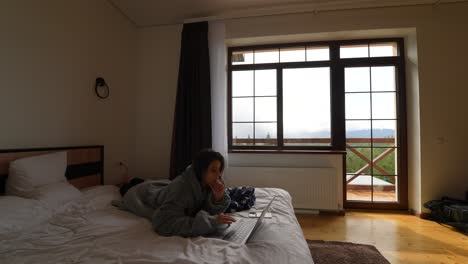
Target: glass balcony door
[{"x": 373, "y": 170}]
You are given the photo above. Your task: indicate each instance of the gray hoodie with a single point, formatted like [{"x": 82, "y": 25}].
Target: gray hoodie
[{"x": 180, "y": 208}]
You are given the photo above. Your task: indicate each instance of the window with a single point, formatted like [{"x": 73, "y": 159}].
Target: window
[
  {"x": 254, "y": 109},
  {"x": 306, "y": 107},
  {"x": 346, "y": 96},
  {"x": 292, "y": 96},
  {"x": 369, "y": 50}
]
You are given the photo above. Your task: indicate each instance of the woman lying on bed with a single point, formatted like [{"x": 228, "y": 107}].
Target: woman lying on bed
[{"x": 191, "y": 205}]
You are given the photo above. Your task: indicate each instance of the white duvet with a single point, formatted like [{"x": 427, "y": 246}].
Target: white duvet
[{"x": 92, "y": 231}]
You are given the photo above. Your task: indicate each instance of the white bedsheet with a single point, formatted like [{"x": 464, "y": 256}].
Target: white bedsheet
[{"x": 92, "y": 231}]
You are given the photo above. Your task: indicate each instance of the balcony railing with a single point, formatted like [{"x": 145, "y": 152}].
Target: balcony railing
[{"x": 308, "y": 141}]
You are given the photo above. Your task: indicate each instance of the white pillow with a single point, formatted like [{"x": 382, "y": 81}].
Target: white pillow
[
  {"x": 27, "y": 174},
  {"x": 56, "y": 195},
  {"x": 18, "y": 214}
]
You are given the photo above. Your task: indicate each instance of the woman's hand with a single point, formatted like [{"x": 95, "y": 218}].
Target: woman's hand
[
  {"x": 224, "y": 219},
  {"x": 218, "y": 190}
]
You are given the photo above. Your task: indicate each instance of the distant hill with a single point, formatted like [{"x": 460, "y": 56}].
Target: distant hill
[
  {"x": 360, "y": 133},
  {"x": 377, "y": 133}
]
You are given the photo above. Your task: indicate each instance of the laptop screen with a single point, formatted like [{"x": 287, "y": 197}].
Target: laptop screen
[{"x": 259, "y": 221}]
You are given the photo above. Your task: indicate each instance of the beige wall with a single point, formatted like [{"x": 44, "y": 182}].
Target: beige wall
[
  {"x": 51, "y": 51},
  {"x": 157, "y": 71},
  {"x": 441, "y": 53}
]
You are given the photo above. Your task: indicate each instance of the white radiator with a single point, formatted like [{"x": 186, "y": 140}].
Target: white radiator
[{"x": 310, "y": 188}]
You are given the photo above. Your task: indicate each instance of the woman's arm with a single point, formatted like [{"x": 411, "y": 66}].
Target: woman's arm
[
  {"x": 170, "y": 218},
  {"x": 175, "y": 223},
  {"x": 216, "y": 207}
]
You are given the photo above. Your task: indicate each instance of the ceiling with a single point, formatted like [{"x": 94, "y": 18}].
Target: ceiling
[
  {"x": 154, "y": 12},
  {"x": 162, "y": 12}
]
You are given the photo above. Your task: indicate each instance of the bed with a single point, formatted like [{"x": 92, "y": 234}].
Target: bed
[{"x": 90, "y": 230}]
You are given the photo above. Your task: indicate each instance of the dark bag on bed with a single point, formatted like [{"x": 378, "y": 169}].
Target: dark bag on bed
[{"x": 242, "y": 198}]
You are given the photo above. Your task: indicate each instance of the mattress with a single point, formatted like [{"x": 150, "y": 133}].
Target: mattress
[{"x": 90, "y": 230}]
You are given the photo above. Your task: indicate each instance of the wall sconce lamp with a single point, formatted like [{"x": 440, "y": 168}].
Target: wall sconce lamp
[{"x": 101, "y": 88}]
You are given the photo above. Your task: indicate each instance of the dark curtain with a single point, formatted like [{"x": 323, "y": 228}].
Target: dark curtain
[{"x": 192, "y": 118}]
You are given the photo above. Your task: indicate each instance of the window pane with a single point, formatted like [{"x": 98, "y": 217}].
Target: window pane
[
  {"x": 384, "y": 133},
  {"x": 242, "y": 83},
  {"x": 359, "y": 189},
  {"x": 385, "y": 189},
  {"x": 385, "y": 161},
  {"x": 292, "y": 54},
  {"x": 383, "y": 78},
  {"x": 265, "y": 109},
  {"x": 358, "y": 106},
  {"x": 383, "y": 49},
  {"x": 358, "y": 160},
  {"x": 266, "y": 56},
  {"x": 318, "y": 53},
  {"x": 242, "y": 134},
  {"x": 354, "y": 51},
  {"x": 242, "y": 57},
  {"x": 306, "y": 106},
  {"x": 383, "y": 106},
  {"x": 242, "y": 109},
  {"x": 357, "y": 79},
  {"x": 358, "y": 133},
  {"x": 265, "y": 134},
  {"x": 265, "y": 82}
]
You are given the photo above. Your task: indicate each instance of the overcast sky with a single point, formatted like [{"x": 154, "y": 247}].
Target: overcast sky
[{"x": 306, "y": 96}]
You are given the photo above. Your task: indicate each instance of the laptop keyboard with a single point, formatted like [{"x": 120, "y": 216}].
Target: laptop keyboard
[{"x": 240, "y": 230}]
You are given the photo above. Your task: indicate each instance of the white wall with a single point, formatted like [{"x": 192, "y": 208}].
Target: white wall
[
  {"x": 413, "y": 122},
  {"x": 51, "y": 52},
  {"x": 218, "y": 66}
]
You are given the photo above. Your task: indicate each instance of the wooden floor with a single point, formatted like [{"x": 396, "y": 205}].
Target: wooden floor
[{"x": 400, "y": 238}]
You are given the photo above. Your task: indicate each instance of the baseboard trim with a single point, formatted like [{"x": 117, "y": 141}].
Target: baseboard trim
[
  {"x": 319, "y": 212},
  {"x": 306, "y": 211},
  {"x": 419, "y": 214},
  {"x": 326, "y": 212},
  {"x": 343, "y": 212}
]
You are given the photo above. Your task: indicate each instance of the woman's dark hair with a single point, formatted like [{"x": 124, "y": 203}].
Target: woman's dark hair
[
  {"x": 203, "y": 159},
  {"x": 124, "y": 188}
]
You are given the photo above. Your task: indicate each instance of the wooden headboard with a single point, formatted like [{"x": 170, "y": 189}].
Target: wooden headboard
[{"x": 85, "y": 163}]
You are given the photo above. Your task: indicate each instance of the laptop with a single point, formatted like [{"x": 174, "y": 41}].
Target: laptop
[{"x": 243, "y": 229}]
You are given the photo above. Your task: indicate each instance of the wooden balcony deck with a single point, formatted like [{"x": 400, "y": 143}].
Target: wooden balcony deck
[{"x": 365, "y": 195}]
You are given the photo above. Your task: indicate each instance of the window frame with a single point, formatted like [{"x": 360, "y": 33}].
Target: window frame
[{"x": 337, "y": 90}]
